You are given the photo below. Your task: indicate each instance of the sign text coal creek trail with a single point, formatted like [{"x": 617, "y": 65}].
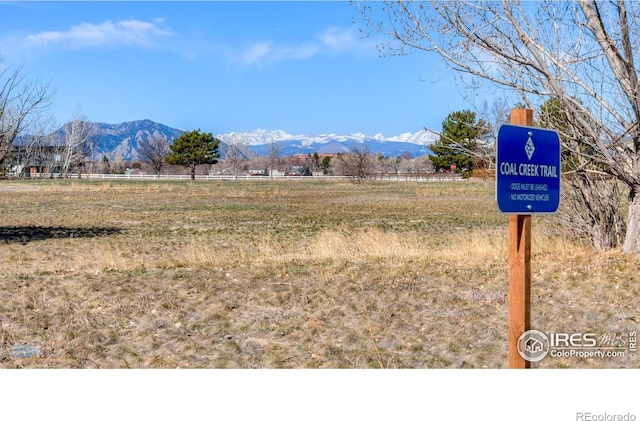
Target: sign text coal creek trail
[{"x": 528, "y": 170}]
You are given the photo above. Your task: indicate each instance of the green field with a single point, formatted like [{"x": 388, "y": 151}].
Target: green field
[{"x": 280, "y": 274}]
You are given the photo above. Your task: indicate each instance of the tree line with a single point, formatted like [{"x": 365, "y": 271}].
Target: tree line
[{"x": 237, "y": 159}]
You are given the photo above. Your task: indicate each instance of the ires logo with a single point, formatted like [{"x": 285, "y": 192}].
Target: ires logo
[
  {"x": 575, "y": 340},
  {"x": 534, "y": 345}
]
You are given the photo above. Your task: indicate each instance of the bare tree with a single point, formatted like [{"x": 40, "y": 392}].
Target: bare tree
[
  {"x": 592, "y": 207},
  {"x": 274, "y": 157},
  {"x": 154, "y": 149},
  {"x": 236, "y": 153},
  {"x": 20, "y": 101},
  {"x": 582, "y": 53},
  {"x": 38, "y": 148},
  {"x": 495, "y": 113},
  {"x": 358, "y": 164},
  {"x": 591, "y": 210},
  {"x": 78, "y": 139},
  {"x": 421, "y": 166}
]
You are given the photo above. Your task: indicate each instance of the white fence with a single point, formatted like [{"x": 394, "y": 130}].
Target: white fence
[{"x": 438, "y": 177}]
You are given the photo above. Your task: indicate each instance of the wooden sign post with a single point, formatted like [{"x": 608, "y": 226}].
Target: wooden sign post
[
  {"x": 519, "y": 267},
  {"x": 527, "y": 182}
]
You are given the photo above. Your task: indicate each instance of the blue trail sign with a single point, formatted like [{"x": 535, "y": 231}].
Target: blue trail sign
[{"x": 527, "y": 170}]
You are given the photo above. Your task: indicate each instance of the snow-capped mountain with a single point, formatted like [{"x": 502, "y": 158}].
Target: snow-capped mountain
[
  {"x": 262, "y": 137},
  {"x": 264, "y": 142},
  {"x": 120, "y": 141}
]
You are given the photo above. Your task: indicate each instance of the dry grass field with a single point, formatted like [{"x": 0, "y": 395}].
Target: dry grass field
[{"x": 286, "y": 274}]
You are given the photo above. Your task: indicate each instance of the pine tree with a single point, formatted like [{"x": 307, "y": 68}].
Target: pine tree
[
  {"x": 459, "y": 136},
  {"x": 192, "y": 149}
]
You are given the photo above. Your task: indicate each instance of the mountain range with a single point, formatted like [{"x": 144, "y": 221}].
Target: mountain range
[
  {"x": 263, "y": 142},
  {"x": 120, "y": 141}
]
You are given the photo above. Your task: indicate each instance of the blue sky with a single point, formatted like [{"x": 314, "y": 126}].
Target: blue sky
[{"x": 302, "y": 67}]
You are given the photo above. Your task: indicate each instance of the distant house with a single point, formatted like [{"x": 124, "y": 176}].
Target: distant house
[
  {"x": 257, "y": 171},
  {"x": 30, "y": 162},
  {"x": 296, "y": 170}
]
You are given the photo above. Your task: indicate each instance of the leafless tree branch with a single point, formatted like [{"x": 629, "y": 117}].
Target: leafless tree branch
[{"x": 580, "y": 53}]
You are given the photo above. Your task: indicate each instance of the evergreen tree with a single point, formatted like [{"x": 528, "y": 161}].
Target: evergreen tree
[
  {"x": 325, "y": 164},
  {"x": 192, "y": 149},
  {"x": 459, "y": 137}
]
